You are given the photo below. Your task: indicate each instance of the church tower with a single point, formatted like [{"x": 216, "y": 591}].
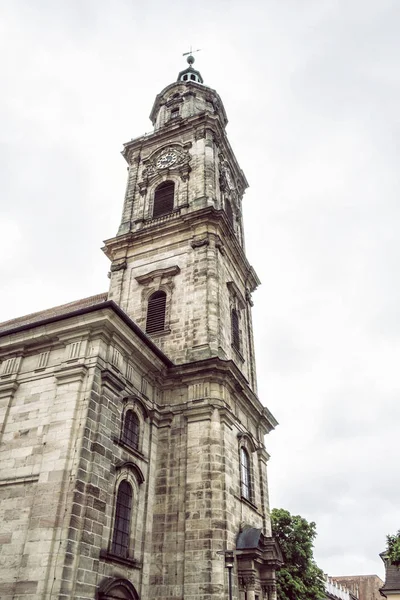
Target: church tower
[
  {"x": 179, "y": 270},
  {"x": 179, "y": 267}
]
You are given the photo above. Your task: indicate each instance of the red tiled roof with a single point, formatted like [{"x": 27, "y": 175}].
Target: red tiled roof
[{"x": 56, "y": 311}]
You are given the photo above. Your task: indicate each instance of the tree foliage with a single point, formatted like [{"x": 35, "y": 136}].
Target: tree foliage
[
  {"x": 393, "y": 548},
  {"x": 299, "y": 578}
]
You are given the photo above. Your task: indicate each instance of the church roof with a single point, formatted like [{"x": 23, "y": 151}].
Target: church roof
[
  {"x": 51, "y": 313},
  {"x": 78, "y": 307}
]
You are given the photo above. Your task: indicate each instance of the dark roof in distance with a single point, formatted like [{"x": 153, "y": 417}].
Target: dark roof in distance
[{"x": 392, "y": 580}]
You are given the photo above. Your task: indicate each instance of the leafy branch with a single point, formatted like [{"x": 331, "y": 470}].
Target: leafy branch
[{"x": 393, "y": 548}]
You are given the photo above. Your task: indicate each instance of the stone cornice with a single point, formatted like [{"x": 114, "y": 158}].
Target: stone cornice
[
  {"x": 189, "y": 88},
  {"x": 167, "y": 272},
  {"x": 194, "y": 221},
  {"x": 227, "y": 373},
  {"x": 170, "y": 134},
  {"x": 111, "y": 381},
  {"x": 67, "y": 373}
]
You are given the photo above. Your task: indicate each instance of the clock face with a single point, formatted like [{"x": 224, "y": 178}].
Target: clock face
[{"x": 167, "y": 159}]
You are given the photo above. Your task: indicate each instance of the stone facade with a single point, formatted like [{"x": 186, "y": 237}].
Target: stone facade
[
  {"x": 192, "y": 462},
  {"x": 365, "y": 587}
]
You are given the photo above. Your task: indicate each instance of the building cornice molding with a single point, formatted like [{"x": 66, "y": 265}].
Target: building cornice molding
[
  {"x": 226, "y": 373},
  {"x": 192, "y": 221},
  {"x": 173, "y": 134}
]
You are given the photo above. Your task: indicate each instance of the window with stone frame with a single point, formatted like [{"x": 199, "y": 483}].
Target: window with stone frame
[
  {"x": 156, "y": 299},
  {"x": 235, "y": 331},
  {"x": 122, "y": 520},
  {"x": 236, "y": 306},
  {"x": 229, "y": 212},
  {"x": 131, "y": 429},
  {"x": 163, "y": 203},
  {"x": 245, "y": 475},
  {"x": 156, "y": 309}
]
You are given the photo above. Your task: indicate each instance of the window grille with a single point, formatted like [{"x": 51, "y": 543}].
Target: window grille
[
  {"x": 130, "y": 373},
  {"x": 130, "y": 434},
  {"x": 116, "y": 358},
  {"x": 122, "y": 521},
  {"x": 43, "y": 359},
  {"x": 235, "y": 329},
  {"x": 155, "y": 321},
  {"x": 163, "y": 199},
  {"x": 74, "y": 349},
  {"x": 9, "y": 366},
  {"x": 245, "y": 473}
]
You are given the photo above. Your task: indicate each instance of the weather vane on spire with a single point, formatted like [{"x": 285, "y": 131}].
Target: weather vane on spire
[{"x": 190, "y": 57}]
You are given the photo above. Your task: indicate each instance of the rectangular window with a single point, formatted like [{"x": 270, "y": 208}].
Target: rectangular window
[
  {"x": 43, "y": 360},
  {"x": 74, "y": 350}
]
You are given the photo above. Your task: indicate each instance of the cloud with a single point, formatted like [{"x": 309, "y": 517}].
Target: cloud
[{"x": 311, "y": 92}]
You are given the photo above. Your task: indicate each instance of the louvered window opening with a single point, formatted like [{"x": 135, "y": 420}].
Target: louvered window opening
[
  {"x": 235, "y": 329},
  {"x": 122, "y": 521},
  {"x": 163, "y": 199},
  {"x": 245, "y": 473},
  {"x": 229, "y": 211},
  {"x": 131, "y": 429},
  {"x": 155, "y": 321}
]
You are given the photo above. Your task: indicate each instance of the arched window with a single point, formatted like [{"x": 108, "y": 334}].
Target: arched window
[
  {"x": 245, "y": 474},
  {"x": 163, "y": 199},
  {"x": 122, "y": 520},
  {"x": 155, "y": 321},
  {"x": 131, "y": 428},
  {"x": 235, "y": 329}
]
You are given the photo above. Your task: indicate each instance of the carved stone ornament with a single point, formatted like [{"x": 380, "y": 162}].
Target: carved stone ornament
[
  {"x": 226, "y": 180},
  {"x": 199, "y": 243},
  {"x": 142, "y": 187},
  {"x": 184, "y": 172},
  {"x": 248, "y": 297},
  {"x": 248, "y": 580},
  {"x": 118, "y": 265},
  {"x": 200, "y": 133},
  {"x": 268, "y": 588},
  {"x": 166, "y": 159}
]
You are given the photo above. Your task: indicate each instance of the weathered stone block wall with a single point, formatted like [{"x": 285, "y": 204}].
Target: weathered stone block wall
[
  {"x": 199, "y": 509},
  {"x": 36, "y": 453}
]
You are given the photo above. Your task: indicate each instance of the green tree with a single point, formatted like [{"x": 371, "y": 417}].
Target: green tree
[
  {"x": 299, "y": 578},
  {"x": 393, "y": 548}
]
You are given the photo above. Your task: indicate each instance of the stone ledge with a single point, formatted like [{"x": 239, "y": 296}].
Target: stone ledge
[
  {"x": 128, "y": 448},
  {"x": 115, "y": 558}
]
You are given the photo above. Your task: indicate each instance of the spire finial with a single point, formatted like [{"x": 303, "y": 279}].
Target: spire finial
[
  {"x": 190, "y": 57},
  {"x": 190, "y": 74}
]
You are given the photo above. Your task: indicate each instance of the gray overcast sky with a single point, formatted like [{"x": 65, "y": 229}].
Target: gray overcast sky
[{"x": 312, "y": 95}]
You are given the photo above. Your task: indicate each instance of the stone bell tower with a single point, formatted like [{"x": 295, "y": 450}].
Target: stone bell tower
[
  {"x": 179, "y": 267},
  {"x": 179, "y": 270}
]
